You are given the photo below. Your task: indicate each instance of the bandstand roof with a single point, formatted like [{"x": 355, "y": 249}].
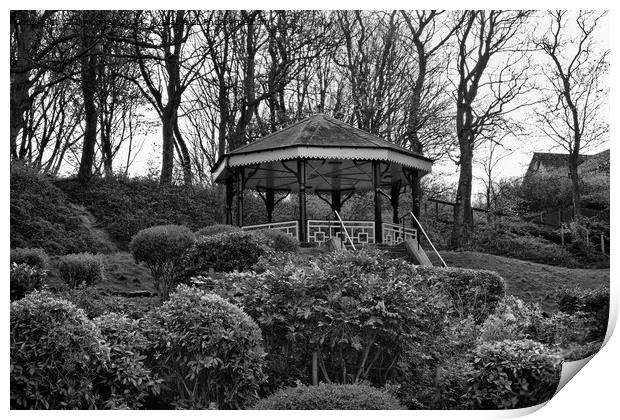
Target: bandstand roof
[{"x": 338, "y": 155}]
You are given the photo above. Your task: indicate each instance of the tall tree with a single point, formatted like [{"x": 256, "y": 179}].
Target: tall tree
[
  {"x": 484, "y": 91},
  {"x": 574, "y": 104}
]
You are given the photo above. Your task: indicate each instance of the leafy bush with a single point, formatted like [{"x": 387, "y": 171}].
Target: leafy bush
[
  {"x": 208, "y": 351},
  {"x": 162, "y": 249},
  {"x": 223, "y": 252},
  {"x": 330, "y": 397},
  {"x": 96, "y": 303},
  {"x": 277, "y": 240},
  {"x": 216, "y": 229},
  {"x": 125, "y": 382},
  {"x": 592, "y": 302},
  {"x": 512, "y": 374},
  {"x": 43, "y": 217},
  {"x": 516, "y": 320},
  {"x": 34, "y": 257},
  {"x": 125, "y": 206},
  {"x": 80, "y": 270},
  {"x": 366, "y": 317},
  {"x": 55, "y": 354},
  {"x": 473, "y": 292},
  {"x": 25, "y": 279}
]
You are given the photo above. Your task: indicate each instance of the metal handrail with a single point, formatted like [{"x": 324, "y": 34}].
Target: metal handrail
[
  {"x": 427, "y": 238},
  {"x": 345, "y": 230}
]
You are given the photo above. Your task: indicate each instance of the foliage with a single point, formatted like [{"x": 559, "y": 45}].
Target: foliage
[
  {"x": 43, "y": 217},
  {"x": 330, "y": 397},
  {"x": 207, "y": 350},
  {"x": 223, "y": 252},
  {"x": 473, "y": 293},
  {"x": 277, "y": 240},
  {"x": 80, "y": 270},
  {"x": 55, "y": 354},
  {"x": 125, "y": 382},
  {"x": 96, "y": 303},
  {"x": 592, "y": 302},
  {"x": 516, "y": 320},
  {"x": 162, "y": 249},
  {"x": 216, "y": 229},
  {"x": 125, "y": 206},
  {"x": 25, "y": 279},
  {"x": 368, "y": 318},
  {"x": 512, "y": 374},
  {"x": 34, "y": 257}
]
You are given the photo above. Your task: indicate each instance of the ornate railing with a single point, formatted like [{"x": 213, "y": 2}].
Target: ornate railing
[
  {"x": 361, "y": 232},
  {"x": 394, "y": 234},
  {"x": 291, "y": 228}
]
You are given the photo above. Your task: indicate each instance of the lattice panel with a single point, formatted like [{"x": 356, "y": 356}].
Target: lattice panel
[
  {"x": 393, "y": 233},
  {"x": 361, "y": 232}
]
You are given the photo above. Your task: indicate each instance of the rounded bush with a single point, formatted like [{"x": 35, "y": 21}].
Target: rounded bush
[
  {"x": 277, "y": 240},
  {"x": 216, "y": 229},
  {"x": 330, "y": 397},
  {"x": 25, "y": 279},
  {"x": 591, "y": 302},
  {"x": 80, "y": 270},
  {"x": 162, "y": 248},
  {"x": 223, "y": 252},
  {"x": 512, "y": 374},
  {"x": 34, "y": 257},
  {"x": 210, "y": 351},
  {"x": 55, "y": 354},
  {"x": 126, "y": 381}
]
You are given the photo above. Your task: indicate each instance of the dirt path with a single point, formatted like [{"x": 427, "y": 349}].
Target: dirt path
[
  {"x": 530, "y": 281},
  {"x": 97, "y": 233}
]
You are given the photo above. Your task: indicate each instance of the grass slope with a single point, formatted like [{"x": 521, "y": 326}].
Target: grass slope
[{"x": 532, "y": 282}]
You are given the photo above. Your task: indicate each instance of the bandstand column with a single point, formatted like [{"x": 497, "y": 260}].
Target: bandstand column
[
  {"x": 336, "y": 204},
  {"x": 301, "y": 178},
  {"x": 394, "y": 196},
  {"x": 270, "y": 204},
  {"x": 229, "y": 201},
  {"x": 240, "y": 180},
  {"x": 376, "y": 180}
]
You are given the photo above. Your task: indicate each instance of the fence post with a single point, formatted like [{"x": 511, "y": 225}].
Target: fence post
[
  {"x": 602, "y": 244},
  {"x": 587, "y": 238},
  {"x": 562, "y": 234}
]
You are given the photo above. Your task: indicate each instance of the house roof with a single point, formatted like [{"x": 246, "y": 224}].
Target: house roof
[{"x": 560, "y": 160}]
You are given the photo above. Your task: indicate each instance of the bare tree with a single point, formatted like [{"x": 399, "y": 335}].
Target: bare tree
[
  {"x": 483, "y": 93},
  {"x": 575, "y": 100}
]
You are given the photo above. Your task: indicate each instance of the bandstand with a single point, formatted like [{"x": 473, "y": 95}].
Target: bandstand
[{"x": 329, "y": 158}]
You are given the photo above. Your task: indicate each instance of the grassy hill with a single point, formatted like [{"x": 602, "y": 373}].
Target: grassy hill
[{"x": 530, "y": 281}]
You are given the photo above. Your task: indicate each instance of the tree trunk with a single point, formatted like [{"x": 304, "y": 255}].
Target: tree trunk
[
  {"x": 88, "y": 73},
  {"x": 186, "y": 161},
  {"x": 167, "y": 153},
  {"x": 463, "y": 220},
  {"x": 574, "y": 178}
]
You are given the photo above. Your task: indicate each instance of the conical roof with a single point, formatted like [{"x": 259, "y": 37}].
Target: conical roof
[{"x": 340, "y": 157}]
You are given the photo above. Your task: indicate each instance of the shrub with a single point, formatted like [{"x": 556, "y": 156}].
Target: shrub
[
  {"x": 80, "y": 270},
  {"x": 473, "y": 292},
  {"x": 209, "y": 350},
  {"x": 125, "y": 382},
  {"x": 592, "y": 302},
  {"x": 43, "y": 217},
  {"x": 25, "y": 279},
  {"x": 216, "y": 229},
  {"x": 368, "y": 318},
  {"x": 223, "y": 252},
  {"x": 512, "y": 374},
  {"x": 55, "y": 354},
  {"x": 34, "y": 257},
  {"x": 125, "y": 206},
  {"x": 97, "y": 302},
  {"x": 277, "y": 240},
  {"x": 330, "y": 397},
  {"x": 162, "y": 248}
]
